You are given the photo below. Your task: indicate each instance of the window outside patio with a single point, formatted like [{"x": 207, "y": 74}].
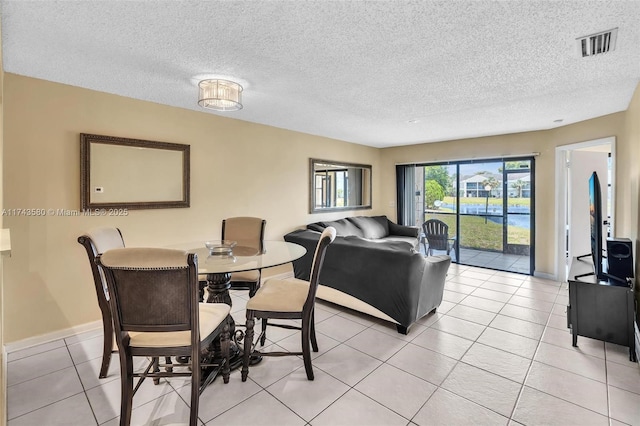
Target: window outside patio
[{"x": 487, "y": 206}]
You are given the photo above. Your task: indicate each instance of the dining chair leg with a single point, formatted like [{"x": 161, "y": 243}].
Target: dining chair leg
[
  {"x": 312, "y": 326},
  {"x": 107, "y": 350},
  {"x": 263, "y": 335},
  {"x": 248, "y": 340},
  {"x": 156, "y": 368},
  {"x": 195, "y": 387},
  {"x": 306, "y": 348},
  {"x": 126, "y": 388}
]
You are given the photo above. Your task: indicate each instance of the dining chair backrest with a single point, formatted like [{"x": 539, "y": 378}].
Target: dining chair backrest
[
  {"x": 246, "y": 231},
  {"x": 97, "y": 241},
  {"x": 326, "y": 238},
  {"x": 153, "y": 289}
]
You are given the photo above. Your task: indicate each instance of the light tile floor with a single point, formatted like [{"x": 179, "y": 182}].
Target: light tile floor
[{"x": 496, "y": 352}]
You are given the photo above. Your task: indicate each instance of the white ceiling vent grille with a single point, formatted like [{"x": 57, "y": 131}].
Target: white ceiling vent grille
[{"x": 597, "y": 44}]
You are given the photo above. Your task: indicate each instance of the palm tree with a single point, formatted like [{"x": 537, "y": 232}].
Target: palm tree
[
  {"x": 519, "y": 185},
  {"x": 491, "y": 182}
]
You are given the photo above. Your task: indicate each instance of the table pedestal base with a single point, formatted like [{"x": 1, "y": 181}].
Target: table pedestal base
[{"x": 218, "y": 286}]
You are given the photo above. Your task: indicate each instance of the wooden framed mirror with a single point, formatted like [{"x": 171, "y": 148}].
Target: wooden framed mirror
[
  {"x": 132, "y": 173},
  {"x": 336, "y": 186}
]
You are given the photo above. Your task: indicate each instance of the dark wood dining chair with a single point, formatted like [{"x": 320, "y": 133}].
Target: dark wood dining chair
[
  {"x": 247, "y": 232},
  {"x": 156, "y": 313},
  {"x": 287, "y": 299},
  {"x": 436, "y": 234},
  {"x": 96, "y": 241}
]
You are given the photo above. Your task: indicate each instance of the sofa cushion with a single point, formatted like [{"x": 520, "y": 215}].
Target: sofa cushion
[
  {"x": 317, "y": 226},
  {"x": 344, "y": 227},
  {"x": 405, "y": 231},
  {"x": 372, "y": 227},
  {"x": 414, "y": 242}
]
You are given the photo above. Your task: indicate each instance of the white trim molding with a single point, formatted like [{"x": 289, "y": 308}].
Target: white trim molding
[
  {"x": 561, "y": 193},
  {"x": 53, "y": 336}
]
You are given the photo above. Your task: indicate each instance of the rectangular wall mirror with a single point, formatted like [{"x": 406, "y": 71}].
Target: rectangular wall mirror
[
  {"x": 339, "y": 186},
  {"x": 132, "y": 173}
]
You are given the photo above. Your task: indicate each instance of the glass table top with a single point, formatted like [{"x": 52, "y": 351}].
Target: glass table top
[{"x": 243, "y": 258}]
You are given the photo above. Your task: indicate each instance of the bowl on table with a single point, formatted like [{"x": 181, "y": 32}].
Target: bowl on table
[{"x": 220, "y": 247}]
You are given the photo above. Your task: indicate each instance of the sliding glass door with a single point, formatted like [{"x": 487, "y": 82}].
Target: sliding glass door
[
  {"x": 488, "y": 206},
  {"x": 481, "y": 214}
]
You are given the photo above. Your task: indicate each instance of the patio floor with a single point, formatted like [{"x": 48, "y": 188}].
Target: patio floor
[{"x": 491, "y": 260}]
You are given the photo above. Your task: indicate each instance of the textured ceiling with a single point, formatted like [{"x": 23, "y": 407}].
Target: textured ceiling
[{"x": 351, "y": 70}]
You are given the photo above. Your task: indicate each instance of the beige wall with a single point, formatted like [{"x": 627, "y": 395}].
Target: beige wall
[
  {"x": 543, "y": 142},
  {"x": 632, "y": 132},
  {"x": 3, "y": 380},
  {"x": 237, "y": 168}
]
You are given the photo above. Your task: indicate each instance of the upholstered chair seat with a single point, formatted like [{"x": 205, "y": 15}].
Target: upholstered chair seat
[
  {"x": 211, "y": 315},
  {"x": 280, "y": 295},
  {"x": 244, "y": 277}
]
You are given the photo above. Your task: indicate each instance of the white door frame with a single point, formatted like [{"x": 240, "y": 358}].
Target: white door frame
[{"x": 562, "y": 194}]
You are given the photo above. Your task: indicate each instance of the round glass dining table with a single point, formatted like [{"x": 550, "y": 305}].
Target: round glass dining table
[{"x": 218, "y": 268}]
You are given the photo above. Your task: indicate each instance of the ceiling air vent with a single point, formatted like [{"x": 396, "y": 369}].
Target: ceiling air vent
[{"x": 597, "y": 44}]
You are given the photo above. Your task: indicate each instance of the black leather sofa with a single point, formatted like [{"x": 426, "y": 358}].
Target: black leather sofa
[{"x": 374, "y": 267}]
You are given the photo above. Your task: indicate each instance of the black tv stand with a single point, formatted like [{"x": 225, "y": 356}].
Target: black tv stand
[{"x": 601, "y": 308}]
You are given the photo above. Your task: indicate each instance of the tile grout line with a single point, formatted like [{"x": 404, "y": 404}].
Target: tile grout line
[
  {"x": 406, "y": 343},
  {"x": 84, "y": 390}
]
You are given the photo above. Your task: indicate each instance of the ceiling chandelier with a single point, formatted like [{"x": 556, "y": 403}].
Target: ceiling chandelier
[{"x": 220, "y": 95}]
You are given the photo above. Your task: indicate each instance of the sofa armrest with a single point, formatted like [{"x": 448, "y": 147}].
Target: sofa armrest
[
  {"x": 405, "y": 231},
  {"x": 432, "y": 283}
]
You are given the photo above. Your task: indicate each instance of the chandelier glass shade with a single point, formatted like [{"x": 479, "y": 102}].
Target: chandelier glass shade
[{"x": 220, "y": 95}]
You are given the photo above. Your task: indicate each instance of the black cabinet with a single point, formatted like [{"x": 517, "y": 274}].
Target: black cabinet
[{"x": 603, "y": 310}]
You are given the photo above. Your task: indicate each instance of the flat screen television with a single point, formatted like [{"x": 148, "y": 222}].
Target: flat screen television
[{"x": 596, "y": 223}]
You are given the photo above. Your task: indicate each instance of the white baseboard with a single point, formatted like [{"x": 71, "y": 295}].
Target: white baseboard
[
  {"x": 73, "y": 331},
  {"x": 546, "y": 276},
  {"x": 50, "y": 337}
]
